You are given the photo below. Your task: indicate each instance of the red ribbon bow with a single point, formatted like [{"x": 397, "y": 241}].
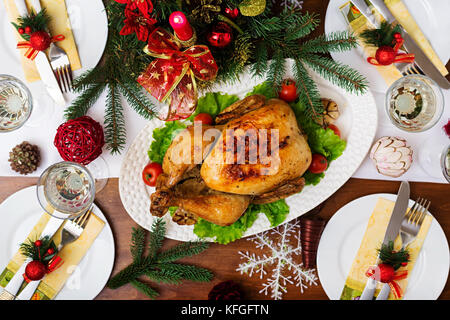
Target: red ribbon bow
[
  {"x": 31, "y": 53},
  {"x": 172, "y": 74},
  {"x": 374, "y": 273}
]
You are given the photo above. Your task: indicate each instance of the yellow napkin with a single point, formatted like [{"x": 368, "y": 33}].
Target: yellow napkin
[
  {"x": 402, "y": 15},
  {"x": 59, "y": 24},
  {"x": 358, "y": 23},
  {"x": 367, "y": 253},
  {"x": 71, "y": 256}
]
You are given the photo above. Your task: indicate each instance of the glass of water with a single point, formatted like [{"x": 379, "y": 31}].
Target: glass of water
[
  {"x": 66, "y": 190},
  {"x": 414, "y": 103},
  {"x": 16, "y": 103}
]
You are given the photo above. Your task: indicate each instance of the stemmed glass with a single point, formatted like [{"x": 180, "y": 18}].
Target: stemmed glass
[
  {"x": 434, "y": 156},
  {"x": 66, "y": 190}
]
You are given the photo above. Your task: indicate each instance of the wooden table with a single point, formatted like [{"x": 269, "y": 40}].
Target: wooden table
[{"x": 223, "y": 260}]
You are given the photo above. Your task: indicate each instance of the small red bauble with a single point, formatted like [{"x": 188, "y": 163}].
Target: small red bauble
[
  {"x": 232, "y": 13},
  {"x": 40, "y": 40},
  {"x": 221, "y": 35},
  {"x": 21, "y": 30},
  {"x": 80, "y": 140},
  {"x": 35, "y": 270},
  {"x": 385, "y": 55},
  {"x": 50, "y": 251},
  {"x": 27, "y": 30},
  {"x": 38, "y": 243},
  {"x": 386, "y": 272}
]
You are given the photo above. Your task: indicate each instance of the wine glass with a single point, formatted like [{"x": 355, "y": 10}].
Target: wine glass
[
  {"x": 16, "y": 103},
  {"x": 414, "y": 103},
  {"x": 434, "y": 156},
  {"x": 100, "y": 171},
  {"x": 66, "y": 190}
]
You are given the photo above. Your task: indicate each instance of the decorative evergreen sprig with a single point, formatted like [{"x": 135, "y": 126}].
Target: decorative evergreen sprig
[
  {"x": 382, "y": 36},
  {"x": 264, "y": 41},
  {"x": 394, "y": 258},
  {"x": 39, "y": 252},
  {"x": 37, "y": 22},
  {"x": 159, "y": 266}
]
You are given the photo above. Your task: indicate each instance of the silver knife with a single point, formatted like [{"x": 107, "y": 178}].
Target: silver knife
[
  {"x": 43, "y": 66},
  {"x": 16, "y": 281},
  {"x": 393, "y": 228},
  {"x": 409, "y": 44}
]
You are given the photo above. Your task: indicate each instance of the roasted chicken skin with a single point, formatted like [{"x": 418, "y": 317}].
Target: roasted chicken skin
[{"x": 229, "y": 167}]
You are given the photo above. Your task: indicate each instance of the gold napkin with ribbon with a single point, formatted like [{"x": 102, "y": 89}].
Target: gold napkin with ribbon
[
  {"x": 358, "y": 23},
  {"x": 70, "y": 254},
  {"x": 59, "y": 24},
  {"x": 367, "y": 254}
]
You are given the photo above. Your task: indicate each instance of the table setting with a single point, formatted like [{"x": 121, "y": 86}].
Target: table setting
[{"x": 224, "y": 150}]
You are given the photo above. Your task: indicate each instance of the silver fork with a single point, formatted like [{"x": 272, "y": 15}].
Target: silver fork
[
  {"x": 58, "y": 60},
  {"x": 412, "y": 69},
  {"x": 61, "y": 67},
  {"x": 409, "y": 229},
  {"x": 71, "y": 231}
]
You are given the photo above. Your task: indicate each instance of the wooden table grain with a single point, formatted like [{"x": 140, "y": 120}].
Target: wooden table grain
[{"x": 223, "y": 260}]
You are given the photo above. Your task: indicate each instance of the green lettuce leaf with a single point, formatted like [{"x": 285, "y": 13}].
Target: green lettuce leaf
[
  {"x": 265, "y": 89},
  {"x": 162, "y": 138},
  {"x": 213, "y": 103},
  {"x": 276, "y": 212}
]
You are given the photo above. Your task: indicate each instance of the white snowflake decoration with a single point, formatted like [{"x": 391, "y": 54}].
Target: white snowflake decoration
[
  {"x": 286, "y": 270},
  {"x": 290, "y": 4}
]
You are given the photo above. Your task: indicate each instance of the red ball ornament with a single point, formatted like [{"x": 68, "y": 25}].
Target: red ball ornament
[
  {"x": 80, "y": 140},
  {"x": 21, "y": 30},
  {"x": 27, "y": 30},
  {"x": 40, "y": 40},
  {"x": 50, "y": 251},
  {"x": 386, "y": 272},
  {"x": 221, "y": 35},
  {"x": 38, "y": 243},
  {"x": 232, "y": 13},
  {"x": 35, "y": 270},
  {"x": 385, "y": 55}
]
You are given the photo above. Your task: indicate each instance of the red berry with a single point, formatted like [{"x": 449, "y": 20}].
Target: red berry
[
  {"x": 385, "y": 273},
  {"x": 21, "y": 30},
  {"x": 40, "y": 40},
  {"x": 35, "y": 270},
  {"x": 27, "y": 30},
  {"x": 38, "y": 243},
  {"x": 404, "y": 264},
  {"x": 50, "y": 251}
]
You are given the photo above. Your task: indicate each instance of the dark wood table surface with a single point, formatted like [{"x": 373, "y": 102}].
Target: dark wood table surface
[{"x": 223, "y": 260}]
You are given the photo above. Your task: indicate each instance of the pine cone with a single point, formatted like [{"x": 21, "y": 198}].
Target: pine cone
[
  {"x": 183, "y": 217},
  {"x": 24, "y": 158},
  {"x": 227, "y": 290},
  {"x": 205, "y": 10}
]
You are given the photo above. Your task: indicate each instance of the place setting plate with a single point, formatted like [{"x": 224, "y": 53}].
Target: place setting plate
[
  {"x": 21, "y": 211},
  {"x": 358, "y": 124},
  {"x": 342, "y": 238}
]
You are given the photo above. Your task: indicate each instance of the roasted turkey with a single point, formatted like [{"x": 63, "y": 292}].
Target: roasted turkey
[{"x": 256, "y": 153}]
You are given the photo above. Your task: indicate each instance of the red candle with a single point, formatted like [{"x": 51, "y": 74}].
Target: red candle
[{"x": 181, "y": 26}]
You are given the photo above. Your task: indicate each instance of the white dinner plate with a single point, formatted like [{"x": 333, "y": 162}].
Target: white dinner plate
[
  {"x": 357, "y": 122},
  {"x": 90, "y": 29},
  {"x": 430, "y": 15},
  {"x": 341, "y": 240},
  {"x": 21, "y": 211}
]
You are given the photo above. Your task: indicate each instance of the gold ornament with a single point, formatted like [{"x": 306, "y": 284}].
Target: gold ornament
[{"x": 252, "y": 8}]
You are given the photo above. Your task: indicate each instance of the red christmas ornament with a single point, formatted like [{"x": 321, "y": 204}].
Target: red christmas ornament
[
  {"x": 226, "y": 290},
  {"x": 386, "y": 272},
  {"x": 221, "y": 35},
  {"x": 50, "y": 251},
  {"x": 80, "y": 140},
  {"x": 27, "y": 30},
  {"x": 35, "y": 270},
  {"x": 232, "y": 13},
  {"x": 21, "y": 30},
  {"x": 40, "y": 40},
  {"x": 311, "y": 229},
  {"x": 387, "y": 55},
  {"x": 38, "y": 243}
]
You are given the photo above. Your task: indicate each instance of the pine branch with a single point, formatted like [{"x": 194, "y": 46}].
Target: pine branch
[
  {"x": 144, "y": 288},
  {"x": 304, "y": 25},
  {"x": 187, "y": 272},
  {"x": 277, "y": 69},
  {"x": 156, "y": 237},
  {"x": 88, "y": 78},
  {"x": 132, "y": 91},
  {"x": 83, "y": 102},
  {"x": 332, "y": 42},
  {"x": 307, "y": 90},
  {"x": 164, "y": 277},
  {"x": 114, "y": 123},
  {"x": 128, "y": 274},
  {"x": 137, "y": 244},
  {"x": 259, "y": 68},
  {"x": 185, "y": 249},
  {"x": 339, "y": 74}
]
